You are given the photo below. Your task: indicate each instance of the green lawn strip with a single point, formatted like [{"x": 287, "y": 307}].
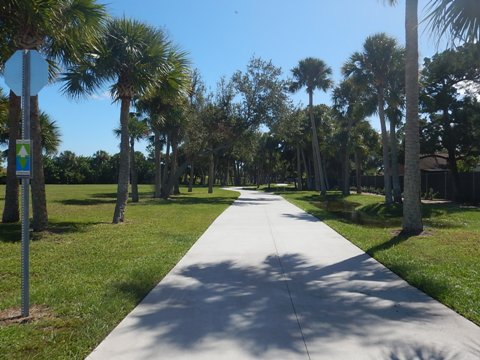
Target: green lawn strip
[
  {"x": 86, "y": 273},
  {"x": 444, "y": 262}
]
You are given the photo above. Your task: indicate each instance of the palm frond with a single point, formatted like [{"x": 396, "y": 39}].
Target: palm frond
[
  {"x": 50, "y": 133},
  {"x": 80, "y": 81},
  {"x": 456, "y": 19}
]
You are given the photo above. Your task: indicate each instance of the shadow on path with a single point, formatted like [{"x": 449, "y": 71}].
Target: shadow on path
[{"x": 251, "y": 306}]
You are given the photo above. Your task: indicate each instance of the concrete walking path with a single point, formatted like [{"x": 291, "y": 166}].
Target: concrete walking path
[{"x": 269, "y": 281}]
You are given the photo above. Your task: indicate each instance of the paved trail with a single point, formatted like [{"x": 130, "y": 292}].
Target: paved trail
[{"x": 268, "y": 281}]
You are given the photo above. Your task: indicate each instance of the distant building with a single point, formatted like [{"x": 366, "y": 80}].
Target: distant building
[{"x": 434, "y": 162}]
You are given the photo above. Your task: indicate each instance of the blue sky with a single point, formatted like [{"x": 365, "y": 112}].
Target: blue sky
[{"x": 221, "y": 36}]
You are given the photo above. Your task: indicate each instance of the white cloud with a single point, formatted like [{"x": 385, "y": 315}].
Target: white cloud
[{"x": 102, "y": 96}]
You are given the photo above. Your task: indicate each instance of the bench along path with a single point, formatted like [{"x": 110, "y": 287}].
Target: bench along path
[{"x": 269, "y": 281}]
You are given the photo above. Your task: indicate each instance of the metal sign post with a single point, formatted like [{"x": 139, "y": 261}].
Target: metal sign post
[
  {"x": 26, "y": 189},
  {"x": 25, "y": 83}
]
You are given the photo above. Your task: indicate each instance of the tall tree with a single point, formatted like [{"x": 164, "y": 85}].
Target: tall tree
[
  {"x": 373, "y": 67},
  {"x": 11, "y": 212},
  {"x": 196, "y": 95},
  {"x": 60, "y": 29},
  {"x": 461, "y": 19},
  {"x": 313, "y": 74},
  {"x": 138, "y": 129},
  {"x": 160, "y": 100},
  {"x": 131, "y": 55},
  {"x": 412, "y": 213},
  {"x": 395, "y": 105},
  {"x": 452, "y": 120},
  {"x": 291, "y": 129},
  {"x": 351, "y": 105}
]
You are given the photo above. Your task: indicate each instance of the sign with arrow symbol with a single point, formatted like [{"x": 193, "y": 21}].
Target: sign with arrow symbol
[{"x": 23, "y": 158}]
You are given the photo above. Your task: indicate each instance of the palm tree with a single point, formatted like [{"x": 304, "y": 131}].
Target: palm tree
[
  {"x": 412, "y": 213},
  {"x": 11, "y": 212},
  {"x": 373, "y": 67},
  {"x": 365, "y": 141},
  {"x": 138, "y": 130},
  {"x": 395, "y": 101},
  {"x": 351, "y": 105},
  {"x": 462, "y": 19},
  {"x": 50, "y": 141},
  {"x": 458, "y": 19},
  {"x": 160, "y": 100},
  {"x": 50, "y": 134},
  {"x": 196, "y": 95},
  {"x": 394, "y": 113},
  {"x": 130, "y": 55},
  {"x": 60, "y": 29},
  {"x": 313, "y": 74}
]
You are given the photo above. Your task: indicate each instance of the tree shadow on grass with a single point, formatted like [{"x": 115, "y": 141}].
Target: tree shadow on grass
[
  {"x": 135, "y": 289},
  {"x": 185, "y": 200},
  {"x": 395, "y": 240},
  {"x": 110, "y": 195},
  {"x": 250, "y": 305},
  {"x": 378, "y": 215},
  {"x": 64, "y": 227},
  {"x": 437, "y": 289},
  {"x": 91, "y": 201},
  {"x": 11, "y": 233}
]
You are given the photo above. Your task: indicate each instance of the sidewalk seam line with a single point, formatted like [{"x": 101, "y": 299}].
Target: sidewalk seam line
[{"x": 285, "y": 280}]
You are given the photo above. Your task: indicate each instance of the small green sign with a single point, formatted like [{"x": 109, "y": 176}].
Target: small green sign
[{"x": 23, "y": 158}]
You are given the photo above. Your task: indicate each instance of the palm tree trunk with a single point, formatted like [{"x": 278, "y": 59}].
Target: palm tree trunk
[
  {"x": 211, "y": 172},
  {"x": 11, "y": 208},
  {"x": 299, "y": 170},
  {"x": 227, "y": 173},
  {"x": 314, "y": 141},
  {"x": 190, "y": 179},
  {"x": 175, "y": 188},
  {"x": 133, "y": 171},
  {"x": 315, "y": 167},
  {"x": 236, "y": 177},
  {"x": 39, "y": 201},
  {"x": 325, "y": 177},
  {"x": 346, "y": 172},
  {"x": 319, "y": 176},
  {"x": 452, "y": 165},
  {"x": 357, "y": 171},
  {"x": 124, "y": 169},
  {"x": 307, "y": 170},
  {"x": 385, "y": 143},
  {"x": 397, "y": 192},
  {"x": 166, "y": 168},
  {"x": 346, "y": 160},
  {"x": 412, "y": 215},
  {"x": 158, "y": 165}
]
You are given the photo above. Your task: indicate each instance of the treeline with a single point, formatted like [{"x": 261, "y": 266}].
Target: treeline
[{"x": 100, "y": 168}]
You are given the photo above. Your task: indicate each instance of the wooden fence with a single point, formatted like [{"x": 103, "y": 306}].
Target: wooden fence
[{"x": 438, "y": 183}]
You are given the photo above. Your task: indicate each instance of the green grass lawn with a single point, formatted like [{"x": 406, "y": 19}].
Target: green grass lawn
[
  {"x": 87, "y": 274},
  {"x": 444, "y": 262}
]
